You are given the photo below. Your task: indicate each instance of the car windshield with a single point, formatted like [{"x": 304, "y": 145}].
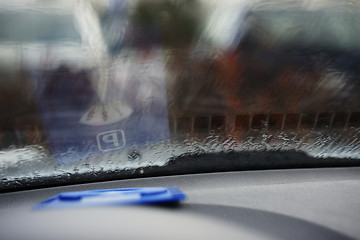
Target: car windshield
[{"x": 166, "y": 87}]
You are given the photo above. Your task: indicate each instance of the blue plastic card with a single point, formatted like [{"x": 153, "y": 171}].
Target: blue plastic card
[{"x": 109, "y": 197}]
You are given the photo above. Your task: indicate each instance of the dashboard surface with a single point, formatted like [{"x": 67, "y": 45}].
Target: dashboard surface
[{"x": 321, "y": 203}]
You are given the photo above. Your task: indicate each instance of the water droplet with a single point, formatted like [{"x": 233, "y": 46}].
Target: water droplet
[{"x": 133, "y": 155}]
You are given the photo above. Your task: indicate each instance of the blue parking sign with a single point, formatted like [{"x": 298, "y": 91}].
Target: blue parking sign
[
  {"x": 80, "y": 122},
  {"x": 111, "y": 140}
]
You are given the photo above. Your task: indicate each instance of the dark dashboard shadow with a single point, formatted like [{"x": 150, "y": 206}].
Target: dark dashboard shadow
[{"x": 277, "y": 225}]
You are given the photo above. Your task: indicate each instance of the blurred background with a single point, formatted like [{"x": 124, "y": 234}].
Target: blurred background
[{"x": 183, "y": 69}]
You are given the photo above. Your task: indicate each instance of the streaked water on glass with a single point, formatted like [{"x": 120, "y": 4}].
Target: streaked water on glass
[{"x": 108, "y": 85}]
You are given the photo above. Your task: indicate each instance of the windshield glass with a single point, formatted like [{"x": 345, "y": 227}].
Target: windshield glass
[{"x": 167, "y": 87}]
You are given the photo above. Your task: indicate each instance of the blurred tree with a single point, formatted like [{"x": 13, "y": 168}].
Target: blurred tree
[{"x": 173, "y": 23}]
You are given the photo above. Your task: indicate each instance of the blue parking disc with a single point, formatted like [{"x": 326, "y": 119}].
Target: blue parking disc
[{"x": 109, "y": 197}]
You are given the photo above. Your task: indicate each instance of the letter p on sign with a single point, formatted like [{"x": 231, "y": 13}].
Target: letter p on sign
[{"x": 111, "y": 140}]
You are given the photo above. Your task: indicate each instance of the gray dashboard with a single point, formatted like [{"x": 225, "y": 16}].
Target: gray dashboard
[{"x": 273, "y": 204}]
